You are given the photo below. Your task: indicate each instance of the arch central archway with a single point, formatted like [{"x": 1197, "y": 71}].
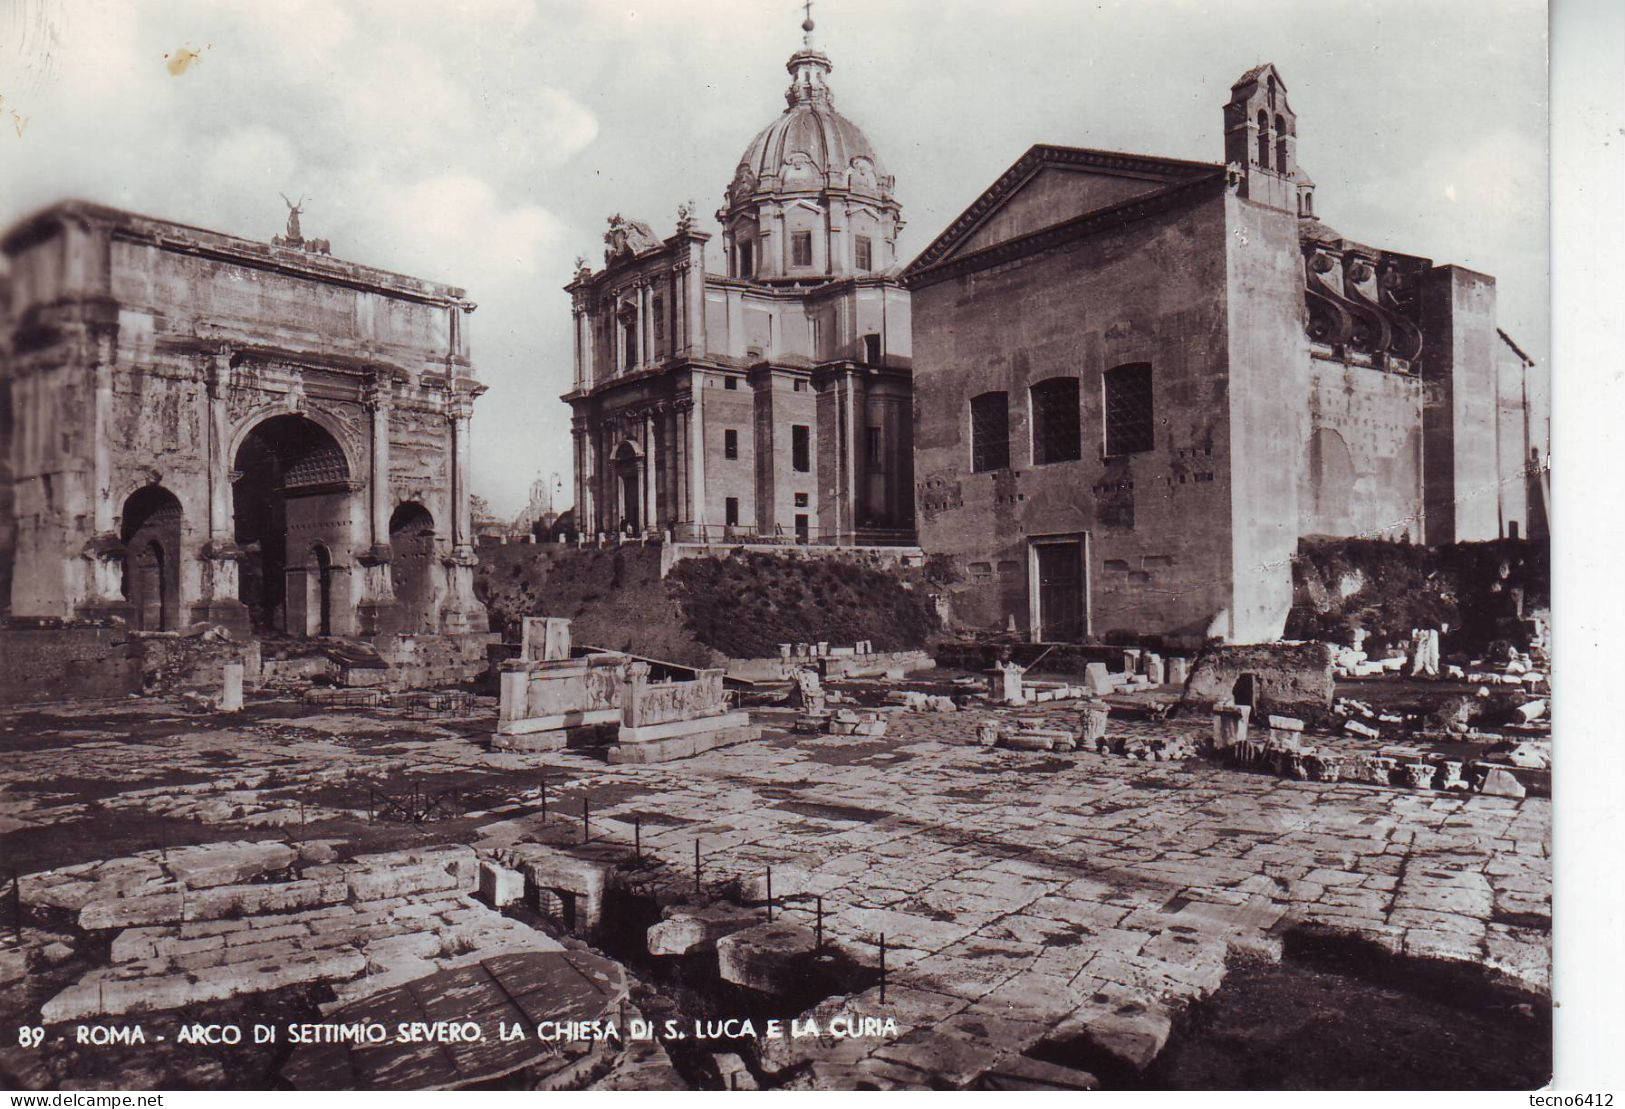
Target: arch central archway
[{"x": 292, "y": 497}]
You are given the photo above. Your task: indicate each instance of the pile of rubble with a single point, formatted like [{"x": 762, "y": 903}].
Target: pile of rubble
[
  {"x": 1028, "y": 733},
  {"x": 1283, "y": 751},
  {"x": 1504, "y": 665}
]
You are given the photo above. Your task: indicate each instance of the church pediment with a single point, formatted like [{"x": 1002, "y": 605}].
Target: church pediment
[{"x": 1049, "y": 186}]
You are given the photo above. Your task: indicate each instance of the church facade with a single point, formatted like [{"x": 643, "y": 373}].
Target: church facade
[
  {"x": 1144, "y": 379},
  {"x": 770, "y": 400},
  {"x": 207, "y": 428}
]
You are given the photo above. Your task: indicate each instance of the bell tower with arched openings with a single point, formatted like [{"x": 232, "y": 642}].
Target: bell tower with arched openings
[{"x": 1261, "y": 140}]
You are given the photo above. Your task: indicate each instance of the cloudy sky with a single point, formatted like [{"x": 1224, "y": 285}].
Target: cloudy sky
[{"x": 483, "y": 142}]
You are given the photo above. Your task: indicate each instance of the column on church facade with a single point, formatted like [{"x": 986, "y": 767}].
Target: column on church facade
[
  {"x": 645, "y": 325},
  {"x": 646, "y": 488},
  {"x": 617, "y": 333},
  {"x": 589, "y": 349},
  {"x": 696, "y": 452},
  {"x": 580, "y": 347},
  {"x": 581, "y": 436},
  {"x": 683, "y": 497}
]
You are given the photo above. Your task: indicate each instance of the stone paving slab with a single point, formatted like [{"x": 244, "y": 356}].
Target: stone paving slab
[{"x": 1014, "y": 886}]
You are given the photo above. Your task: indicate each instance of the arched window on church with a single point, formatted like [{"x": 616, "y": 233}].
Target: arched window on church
[
  {"x": 1281, "y": 159},
  {"x": 1264, "y": 140}
]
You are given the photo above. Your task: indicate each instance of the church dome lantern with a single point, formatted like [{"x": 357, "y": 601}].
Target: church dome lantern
[{"x": 810, "y": 198}]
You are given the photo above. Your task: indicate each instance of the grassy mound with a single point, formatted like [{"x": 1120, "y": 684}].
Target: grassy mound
[
  {"x": 614, "y": 598},
  {"x": 747, "y": 605}
]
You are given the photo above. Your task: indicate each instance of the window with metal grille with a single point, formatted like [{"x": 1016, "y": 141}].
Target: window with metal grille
[
  {"x": 863, "y": 247},
  {"x": 1057, "y": 436},
  {"x": 1130, "y": 420},
  {"x": 801, "y": 248},
  {"x": 730, "y": 443},
  {"x": 800, "y": 448},
  {"x": 989, "y": 432}
]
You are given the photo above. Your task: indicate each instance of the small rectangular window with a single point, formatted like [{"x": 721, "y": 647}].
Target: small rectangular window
[
  {"x": 1130, "y": 418},
  {"x": 989, "y": 432},
  {"x": 730, "y": 443},
  {"x": 730, "y": 512},
  {"x": 871, "y": 350},
  {"x": 800, "y": 448},
  {"x": 1057, "y": 436},
  {"x": 801, "y": 386},
  {"x": 730, "y": 383},
  {"x": 801, "y": 248},
  {"x": 801, "y": 500},
  {"x": 802, "y": 529},
  {"x": 863, "y": 249},
  {"x": 872, "y": 446}
]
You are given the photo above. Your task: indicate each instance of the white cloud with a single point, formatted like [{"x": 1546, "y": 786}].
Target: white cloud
[{"x": 459, "y": 217}]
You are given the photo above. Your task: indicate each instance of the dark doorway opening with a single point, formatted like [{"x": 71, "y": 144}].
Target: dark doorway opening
[
  {"x": 627, "y": 469},
  {"x": 323, "y": 560},
  {"x": 411, "y": 544},
  {"x": 150, "y": 528}
]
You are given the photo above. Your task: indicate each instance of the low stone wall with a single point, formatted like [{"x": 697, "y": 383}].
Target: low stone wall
[
  {"x": 868, "y": 664},
  {"x": 424, "y": 661},
  {"x": 1071, "y": 659},
  {"x": 177, "y": 662},
  {"x": 1286, "y": 679},
  {"x": 878, "y": 557},
  {"x": 67, "y": 663}
]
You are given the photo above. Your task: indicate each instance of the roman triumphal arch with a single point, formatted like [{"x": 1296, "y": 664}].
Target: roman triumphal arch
[{"x": 252, "y": 434}]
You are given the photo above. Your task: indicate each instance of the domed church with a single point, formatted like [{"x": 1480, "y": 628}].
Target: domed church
[{"x": 772, "y": 401}]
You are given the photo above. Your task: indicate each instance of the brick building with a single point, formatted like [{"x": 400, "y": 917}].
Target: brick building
[
  {"x": 1143, "y": 380},
  {"x": 203, "y": 427},
  {"x": 771, "y": 400}
]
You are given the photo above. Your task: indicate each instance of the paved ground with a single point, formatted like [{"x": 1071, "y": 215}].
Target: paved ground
[{"x": 1024, "y": 897}]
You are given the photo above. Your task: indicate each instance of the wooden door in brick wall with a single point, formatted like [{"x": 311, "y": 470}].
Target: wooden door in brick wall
[{"x": 1060, "y": 591}]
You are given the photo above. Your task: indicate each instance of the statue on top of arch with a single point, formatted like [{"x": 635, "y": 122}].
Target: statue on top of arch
[{"x": 294, "y": 238}]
